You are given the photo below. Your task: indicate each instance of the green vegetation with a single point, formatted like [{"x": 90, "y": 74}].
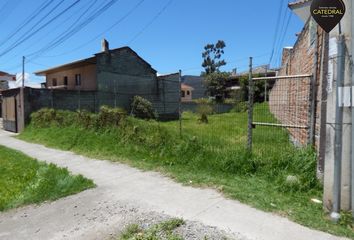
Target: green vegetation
[
  {"x": 160, "y": 231},
  {"x": 276, "y": 177},
  {"x": 142, "y": 108},
  {"x": 24, "y": 180}
]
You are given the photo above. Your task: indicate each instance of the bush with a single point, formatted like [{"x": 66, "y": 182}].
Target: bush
[
  {"x": 48, "y": 116},
  {"x": 203, "y": 101},
  {"x": 231, "y": 101},
  {"x": 43, "y": 117},
  {"x": 86, "y": 119},
  {"x": 240, "y": 107},
  {"x": 203, "y": 110},
  {"x": 110, "y": 117},
  {"x": 142, "y": 108}
]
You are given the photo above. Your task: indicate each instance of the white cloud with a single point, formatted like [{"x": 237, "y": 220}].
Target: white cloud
[{"x": 30, "y": 81}]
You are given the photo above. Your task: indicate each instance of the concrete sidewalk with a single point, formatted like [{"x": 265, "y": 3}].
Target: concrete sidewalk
[{"x": 95, "y": 211}]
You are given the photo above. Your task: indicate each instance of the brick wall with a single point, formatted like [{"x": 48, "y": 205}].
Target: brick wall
[{"x": 290, "y": 100}]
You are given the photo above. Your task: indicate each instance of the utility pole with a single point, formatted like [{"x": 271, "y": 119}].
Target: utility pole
[
  {"x": 179, "y": 103},
  {"x": 338, "y": 148},
  {"x": 21, "y": 117},
  {"x": 23, "y": 71},
  {"x": 265, "y": 84},
  {"x": 352, "y": 108},
  {"x": 250, "y": 106}
]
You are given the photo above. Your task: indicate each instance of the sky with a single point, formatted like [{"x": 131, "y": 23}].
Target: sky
[{"x": 169, "y": 34}]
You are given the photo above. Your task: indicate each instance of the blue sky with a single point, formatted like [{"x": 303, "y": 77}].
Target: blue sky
[{"x": 169, "y": 34}]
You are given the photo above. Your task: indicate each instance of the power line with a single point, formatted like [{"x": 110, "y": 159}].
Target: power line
[
  {"x": 283, "y": 36},
  {"x": 41, "y": 27},
  {"x": 74, "y": 30},
  {"x": 61, "y": 24},
  {"x": 276, "y": 30},
  {"x": 7, "y": 8},
  {"x": 151, "y": 21},
  {"x": 27, "y": 21},
  {"x": 103, "y": 32}
]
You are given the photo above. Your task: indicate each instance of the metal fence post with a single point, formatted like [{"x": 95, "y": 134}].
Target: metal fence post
[
  {"x": 52, "y": 98},
  {"x": 312, "y": 109},
  {"x": 250, "y": 107},
  {"x": 79, "y": 102},
  {"x": 179, "y": 103},
  {"x": 115, "y": 94}
]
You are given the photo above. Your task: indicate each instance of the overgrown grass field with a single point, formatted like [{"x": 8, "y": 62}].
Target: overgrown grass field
[
  {"x": 207, "y": 155},
  {"x": 24, "y": 180}
]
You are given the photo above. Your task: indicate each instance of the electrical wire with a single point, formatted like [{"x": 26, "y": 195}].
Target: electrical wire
[
  {"x": 26, "y": 38},
  {"x": 27, "y": 21},
  {"x": 276, "y": 30},
  {"x": 60, "y": 25},
  {"x": 283, "y": 38},
  {"x": 151, "y": 21},
  {"x": 7, "y": 8},
  {"x": 102, "y": 33},
  {"x": 74, "y": 30}
]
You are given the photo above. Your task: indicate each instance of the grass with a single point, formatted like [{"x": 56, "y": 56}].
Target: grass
[
  {"x": 24, "y": 180},
  {"x": 159, "y": 231},
  {"x": 207, "y": 155}
]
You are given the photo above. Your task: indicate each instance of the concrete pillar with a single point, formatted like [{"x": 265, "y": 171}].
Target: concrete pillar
[{"x": 331, "y": 107}]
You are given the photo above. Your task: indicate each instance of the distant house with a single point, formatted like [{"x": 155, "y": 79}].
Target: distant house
[
  {"x": 197, "y": 83},
  {"x": 186, "y": 93},
  {"x": 233, "y": 85},
  {"x": 121, "y": 72},
  {"x": 109, "y": 78},
  {"x": 5, "y": 78},
  {"x": 102, "y": 72}
]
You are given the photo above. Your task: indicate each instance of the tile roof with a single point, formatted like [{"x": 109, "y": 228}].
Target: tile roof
[
  {"x": 91, "y": 60},
  {"x": 185, "y": 86},
  {"x": 298, "y": 3}
]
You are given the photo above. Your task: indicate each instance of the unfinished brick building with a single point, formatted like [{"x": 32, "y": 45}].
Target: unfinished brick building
[{"x": 300, "y": 101}]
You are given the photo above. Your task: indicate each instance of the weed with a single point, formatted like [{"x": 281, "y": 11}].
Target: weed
[{"x": 160, "y": 231}]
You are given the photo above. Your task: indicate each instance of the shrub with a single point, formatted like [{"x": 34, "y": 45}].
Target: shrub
[
  {"x": 240, "y": 107},
  {"x": 203, "y": 101},
  {"x": 43, "y": 117},
  {"x": 142, "y": 108},
  {"x": 48, "y": 116},
  {"x": 86, "y": 119},
  {"x": 231, "y": 101},
  {"x": 203, "y": 110},
  {"x": 110, "y": 117}
]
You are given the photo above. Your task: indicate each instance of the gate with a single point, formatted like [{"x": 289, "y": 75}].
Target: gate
[
  {"x": 9, "y": 113},
  {"x": 281, "y": 108}
]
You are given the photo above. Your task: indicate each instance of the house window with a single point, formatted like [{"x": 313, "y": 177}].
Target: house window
[
  {"x": 78, "y": 79},
  {"x": 188, "y": 93},
  {"x": 66, "y": 81},
  {"x": 54, "y": 82},
  {"x": 183, "y": 94}
]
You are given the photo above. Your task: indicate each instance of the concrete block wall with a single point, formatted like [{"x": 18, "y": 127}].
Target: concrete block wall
[{"x": 126, "y": 75}]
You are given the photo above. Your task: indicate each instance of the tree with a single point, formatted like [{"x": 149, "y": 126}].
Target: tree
[
  {"x": 212, "y": 57},
  {"x": 216, "y": 84}
]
